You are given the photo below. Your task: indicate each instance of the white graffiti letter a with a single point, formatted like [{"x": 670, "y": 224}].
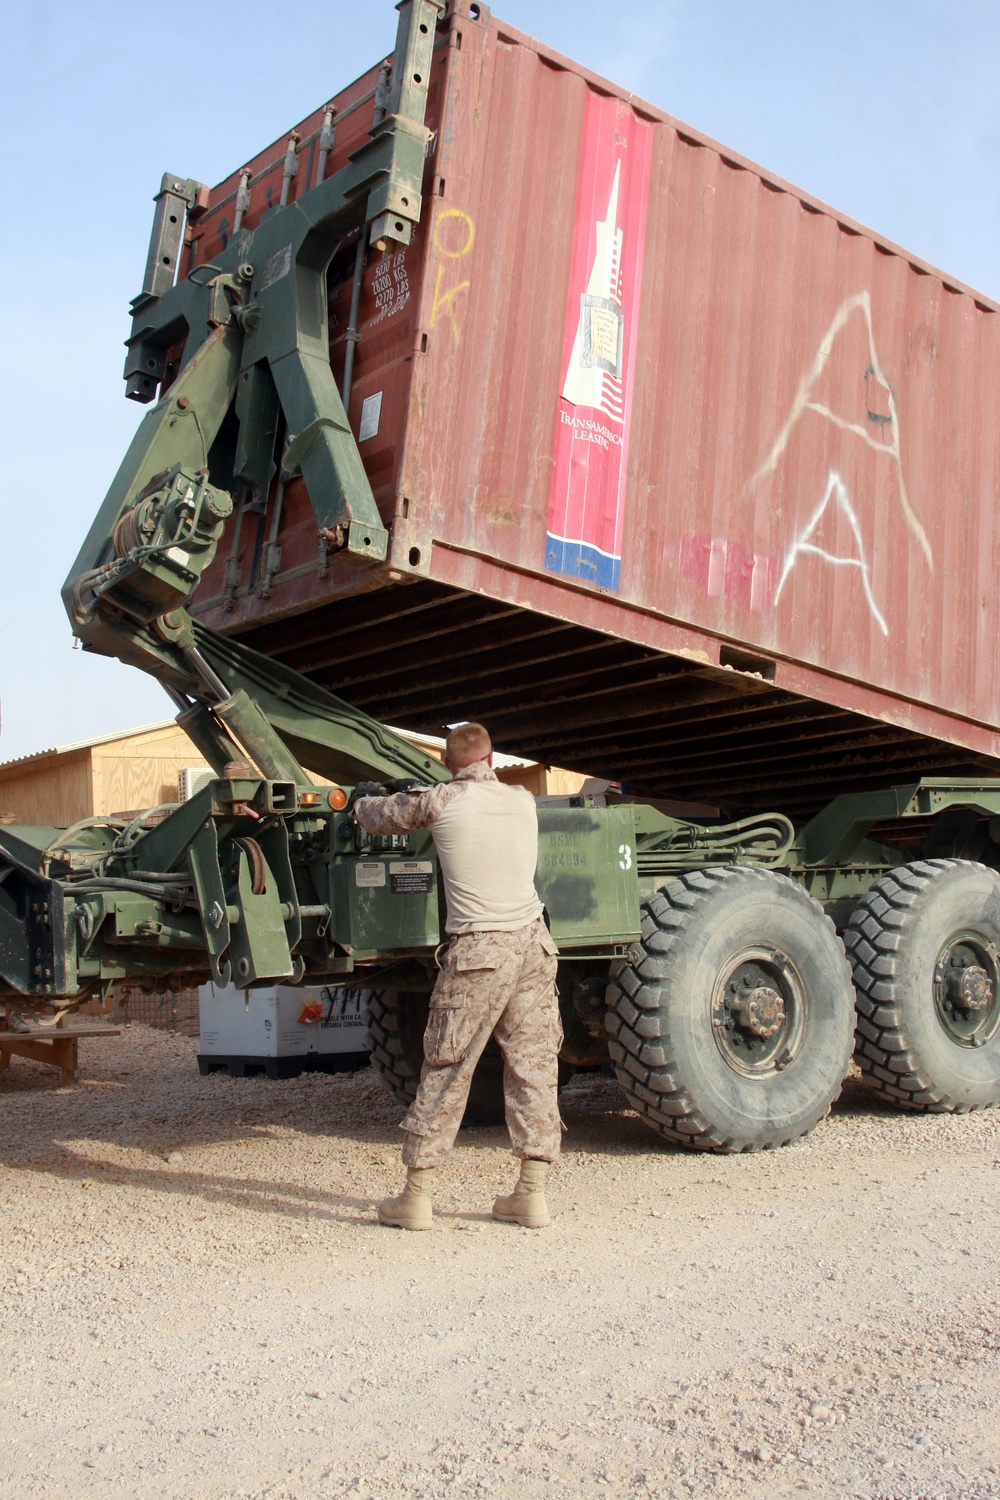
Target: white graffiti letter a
[{"x": 802, "y": 543}]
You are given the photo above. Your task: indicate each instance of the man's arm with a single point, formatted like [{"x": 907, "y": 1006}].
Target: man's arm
[{"x": 404, "y": 812}]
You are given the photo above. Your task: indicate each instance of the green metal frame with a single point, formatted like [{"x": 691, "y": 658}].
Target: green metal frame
[{"x": 256, "y": 336}]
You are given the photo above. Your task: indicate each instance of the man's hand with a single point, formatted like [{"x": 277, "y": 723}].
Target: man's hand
[{"x": 365, "y": 789}]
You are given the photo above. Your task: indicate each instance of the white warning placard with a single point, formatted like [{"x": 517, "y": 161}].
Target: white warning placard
[{"x": 371, "y": 412}]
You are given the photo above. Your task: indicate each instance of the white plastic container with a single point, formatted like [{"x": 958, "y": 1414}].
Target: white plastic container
[{"x": 282, "y": 1029}]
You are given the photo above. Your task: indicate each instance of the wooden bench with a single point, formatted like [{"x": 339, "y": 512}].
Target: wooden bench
[{"x": 55, "y": 1047}]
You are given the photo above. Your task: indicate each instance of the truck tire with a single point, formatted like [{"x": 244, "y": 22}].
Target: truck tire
[
  {"x": 397, "y": 1020},
  {"x": 924, "y": 945},
  {"x": 731, "y": 1020}
]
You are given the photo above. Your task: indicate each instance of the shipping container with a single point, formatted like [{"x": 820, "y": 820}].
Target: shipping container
[{"x": 690, "y": 479}]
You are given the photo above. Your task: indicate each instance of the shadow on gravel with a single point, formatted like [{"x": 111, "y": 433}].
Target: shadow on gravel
[
  {"x": 96, "y": 1129},
  {"x": 121, "y": 1130},
  {"x": 294, "y": 1200},
  {"x": 858, "y": 1099}
]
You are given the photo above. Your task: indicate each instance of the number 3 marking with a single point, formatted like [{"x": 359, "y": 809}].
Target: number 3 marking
[{"x": 625, "y": 863}]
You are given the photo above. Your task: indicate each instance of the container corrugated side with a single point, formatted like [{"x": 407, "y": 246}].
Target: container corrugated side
[{"x": 640, "y": 397}]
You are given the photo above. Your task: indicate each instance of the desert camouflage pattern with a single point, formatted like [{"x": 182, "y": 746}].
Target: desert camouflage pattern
[
  {"x": 498, "y": 984},
  {"x": 405, "y": 812},
  {"x": 486, "y": 837}
]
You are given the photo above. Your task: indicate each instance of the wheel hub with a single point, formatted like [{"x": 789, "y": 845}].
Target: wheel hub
[
  {"x": 970, "y": 988},
  {"x": 967, "y": 989},
  {"x": 758, "y": 1009},
  {"x": 762, "y": 1011}
]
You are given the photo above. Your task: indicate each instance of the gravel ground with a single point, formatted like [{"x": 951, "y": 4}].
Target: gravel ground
[{"x": 198, "y": 1301}]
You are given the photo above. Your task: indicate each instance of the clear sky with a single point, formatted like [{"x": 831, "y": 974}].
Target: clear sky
[{"x": 887, "y": 109}]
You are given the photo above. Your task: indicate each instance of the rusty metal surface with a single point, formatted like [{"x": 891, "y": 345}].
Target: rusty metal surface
[{"x": 691, "y": 480}]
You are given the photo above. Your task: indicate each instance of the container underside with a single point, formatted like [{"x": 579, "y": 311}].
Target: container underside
[{"x": 424, "y": 656}]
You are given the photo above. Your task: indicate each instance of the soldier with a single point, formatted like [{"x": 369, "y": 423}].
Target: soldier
[{"x": 497, "y": 977}]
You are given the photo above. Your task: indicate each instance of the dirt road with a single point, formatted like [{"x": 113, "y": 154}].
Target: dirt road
[{"x": 197, "y": 1301}]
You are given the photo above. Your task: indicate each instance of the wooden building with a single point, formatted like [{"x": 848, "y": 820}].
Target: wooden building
[
  {"x": 120, "y": 774},
  {"x": 113, "y": 774}
]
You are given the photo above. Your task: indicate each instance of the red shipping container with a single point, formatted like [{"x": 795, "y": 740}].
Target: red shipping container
[{"x": 690, "y": 480}]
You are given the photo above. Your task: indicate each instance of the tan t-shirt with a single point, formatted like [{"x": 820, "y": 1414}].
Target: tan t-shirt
[{"x": 486, "y": 837}]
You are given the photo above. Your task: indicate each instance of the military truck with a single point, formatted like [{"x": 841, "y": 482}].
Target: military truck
[{"x": 491, "y": 393}]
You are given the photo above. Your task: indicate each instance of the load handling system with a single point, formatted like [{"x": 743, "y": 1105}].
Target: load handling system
[{"x": 702, "y": 954}]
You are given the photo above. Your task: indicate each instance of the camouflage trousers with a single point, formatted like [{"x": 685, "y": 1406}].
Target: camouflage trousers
[{"x": 498, "y": 984}]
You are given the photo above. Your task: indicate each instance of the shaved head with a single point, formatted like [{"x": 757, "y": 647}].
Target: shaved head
[{"x": 466, "y": 743}]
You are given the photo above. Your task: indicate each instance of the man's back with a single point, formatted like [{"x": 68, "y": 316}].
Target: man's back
[{"x": 486, "y": 836}]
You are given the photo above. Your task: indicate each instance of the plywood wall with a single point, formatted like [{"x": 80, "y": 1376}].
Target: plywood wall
[
  {"x": 140, "y": 771},
  {"x": 54, "y": 794},
  {"x": 119, "y": 776},
  {"x": 542, "y": 781}
]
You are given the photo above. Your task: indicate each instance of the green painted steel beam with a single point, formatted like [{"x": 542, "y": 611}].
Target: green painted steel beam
[
  {"x": 834, "y": 835},
  {"x": 327, "y": 734},
  {"x": 285, "y": 318}
]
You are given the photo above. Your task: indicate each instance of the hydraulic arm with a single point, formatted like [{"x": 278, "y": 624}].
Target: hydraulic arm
[{"x": 254, "y": 329}]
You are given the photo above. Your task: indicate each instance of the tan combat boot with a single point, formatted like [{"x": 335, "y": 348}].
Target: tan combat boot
[
  {"x": 412, "y": 1209},
  {"x": 526, "y": 1204}
]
